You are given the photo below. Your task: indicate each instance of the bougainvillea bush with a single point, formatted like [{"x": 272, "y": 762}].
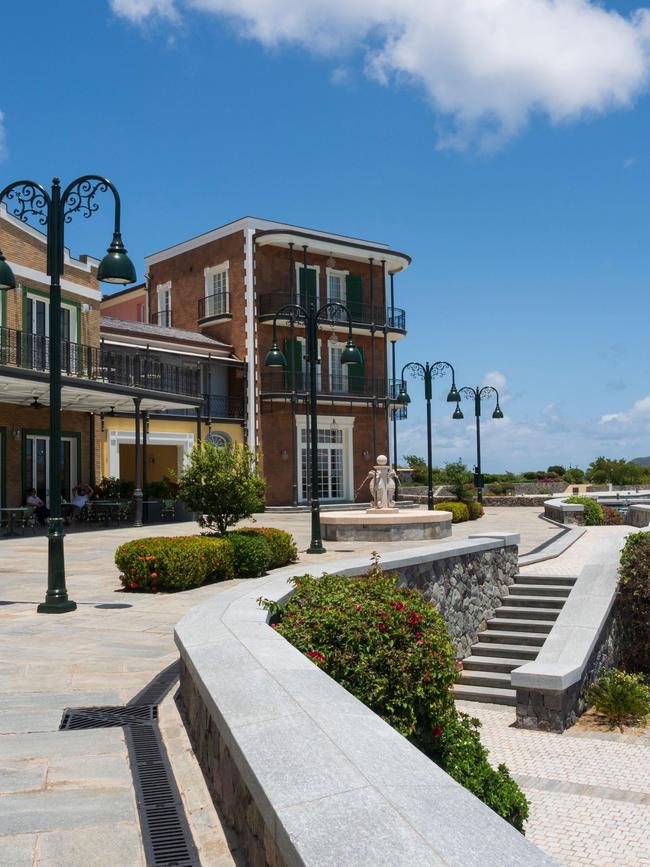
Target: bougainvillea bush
[{"x": 392, "y": 650}]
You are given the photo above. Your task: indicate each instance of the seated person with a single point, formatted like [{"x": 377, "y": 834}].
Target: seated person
[
  {"x": 80, "y": 496},
  {"x": 41, "y": 512}
]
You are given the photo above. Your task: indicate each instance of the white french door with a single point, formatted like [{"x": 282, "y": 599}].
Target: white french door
[{"x": 37, "y": 465}]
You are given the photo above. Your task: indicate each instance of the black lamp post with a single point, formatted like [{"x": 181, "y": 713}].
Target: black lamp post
[
  {"x": 276, "y": 358},
  {"x": 478, "y": 394},
  {"x": 54, "y": 210},
  {"x": 428, "y": 372}
]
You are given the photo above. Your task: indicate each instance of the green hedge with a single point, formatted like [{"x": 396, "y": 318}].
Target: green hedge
[
  {"x": 282, "y": 545},
  {"x": 633, "y": 603},
  {"x": 392, "y": 650},
  {"x": 459, "y": 511},
  {"x": 475, "y": 510},
  {"x": 594, "y": 515},
  {"x": 172, "y": 563}
]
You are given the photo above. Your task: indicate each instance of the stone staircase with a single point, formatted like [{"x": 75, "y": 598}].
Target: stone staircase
[{"x": 512, "y": 638}]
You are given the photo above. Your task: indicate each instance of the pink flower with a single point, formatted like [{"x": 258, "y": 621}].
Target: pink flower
[
  {"x": 314, "y": 654},
  {"x": 437, "y": 731}
]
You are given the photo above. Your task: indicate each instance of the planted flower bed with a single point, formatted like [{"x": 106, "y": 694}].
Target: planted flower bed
[
  {"x": 173, "y": 563},
  {"x": 392, "y": 650}
]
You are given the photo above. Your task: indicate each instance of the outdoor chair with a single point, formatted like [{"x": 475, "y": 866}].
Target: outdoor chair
[
  {"x": 124, "y": 511},
  {"x": 168, "y": 510},
  {"x": 27, "y": 520}
]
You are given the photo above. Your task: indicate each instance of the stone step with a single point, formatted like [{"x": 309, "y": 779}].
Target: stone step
[
  {"x": 493, "y": 663},
  {"x": 534, "y": 602},
  {"x": 514, "y": 624},
  {"x": 491, "y": 649},
  {"x": 537, "y": 590},
  {"x": 545, "y": 579},
  {"x": 489, "y": 694},
  {"x": 519, "y": 612},
  {"x": 506, "y": 636},
  {"x": 499, "y": 679}
]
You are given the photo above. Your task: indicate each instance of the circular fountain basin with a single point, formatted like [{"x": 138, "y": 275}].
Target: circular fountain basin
[{"x": 385, "y": 525}]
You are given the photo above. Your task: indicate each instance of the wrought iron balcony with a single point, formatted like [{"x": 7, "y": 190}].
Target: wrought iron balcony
[
  {"x": 214, "y": 306},
  {"x": 161, "y": 317},
  {"x": 215, "y": 406},
  {"x": 363, "y": 315},
  {"x": 281, "y": 383},
  {"x": 19, "y": 349}
]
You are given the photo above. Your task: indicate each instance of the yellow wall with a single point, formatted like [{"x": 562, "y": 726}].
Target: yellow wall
[{"x": 157, "y": 425}]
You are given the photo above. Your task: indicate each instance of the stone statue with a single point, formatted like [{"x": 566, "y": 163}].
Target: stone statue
[{"x": 382, "y": 479}]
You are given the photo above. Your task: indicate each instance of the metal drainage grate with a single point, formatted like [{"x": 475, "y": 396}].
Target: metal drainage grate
[
  {"x": 158, "y": 688},
  {"x": 165, "y": 833}
]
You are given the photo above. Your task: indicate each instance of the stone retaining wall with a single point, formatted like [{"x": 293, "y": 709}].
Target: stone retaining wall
[
  {"x": 638, "y": 515},
  {"x": 466, "y": 589},
  {"x": 564, "y": 513},
  {"x": 306, "y": 773},
  {"x": 540, "y": 487}
]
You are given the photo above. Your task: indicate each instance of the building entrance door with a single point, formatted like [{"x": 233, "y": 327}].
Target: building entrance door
[{"x": 331, "y": 464}]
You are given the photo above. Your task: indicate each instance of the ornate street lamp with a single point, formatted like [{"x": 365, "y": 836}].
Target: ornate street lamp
[
  {"x": 276, "y": 358},
  {"x": 428, "y": 372},
  {"x": 478, "y": 395},
  {"x": 54, "y": 210}
]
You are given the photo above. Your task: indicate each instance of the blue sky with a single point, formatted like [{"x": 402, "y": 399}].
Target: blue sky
[{"x": 520, "y": 188}]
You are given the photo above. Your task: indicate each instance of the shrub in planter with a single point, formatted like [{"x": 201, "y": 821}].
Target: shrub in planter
[
  {"x": 392, "y": 650},
  {"x": 611, "y": 517},
  {"x": 475, "y": 510},
  {"x": 173, "y": 563},
  {"x": 593, "y": 511},
  {"x": 624, "y": 699},
  {"x": 459, "y": 511},
  {"x": 281, "y": 544},
  {"x": 633, "y": 602},
  {"x": 251, "y": 554}
]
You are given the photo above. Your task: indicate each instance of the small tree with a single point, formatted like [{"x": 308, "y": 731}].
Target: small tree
[
  {"x": 556, "y": 470},
  {"x": 221, "y": 484},
  {"x": 459, "y": 480}
]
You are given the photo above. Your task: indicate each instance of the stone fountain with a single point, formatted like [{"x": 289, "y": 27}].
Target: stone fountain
[{"x": 383, "y": 521}]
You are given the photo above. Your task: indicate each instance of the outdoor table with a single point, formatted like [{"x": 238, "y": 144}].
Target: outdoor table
[{"x": 12, "y": 511}]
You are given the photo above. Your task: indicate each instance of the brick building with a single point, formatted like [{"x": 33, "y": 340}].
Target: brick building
[
  {"x": 101, "y": 378},
  {"x": 228, "y": 283}
]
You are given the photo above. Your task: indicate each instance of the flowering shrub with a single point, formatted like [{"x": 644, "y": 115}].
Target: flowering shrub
[
  {"x": 176, "y": 563},
  {"x": 171, "y": 563},
  {"x": 633, "y": 602},
  {"x": 593, "y": 511},
  {"x": 611, "y": 517},
  {"x": 459, "y": 511},
  {"x": 282, "y": 545},
  {"x": 392, "y": 650}
]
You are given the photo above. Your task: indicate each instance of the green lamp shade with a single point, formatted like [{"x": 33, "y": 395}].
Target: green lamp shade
[
  {"x": 351, "y": 354},
  {"x": 453, "y": 396},
  {"x": 497, "y": 412},
  {"x": 403, "y": 396},
  {"x": 458, "y": 413},
  {"x": 275, "y": 357},
  {"x": 116, "y": 267},
  {"x": 7, "y": 277}
]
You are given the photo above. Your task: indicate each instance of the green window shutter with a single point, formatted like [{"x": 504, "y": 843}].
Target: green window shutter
[
  {"x": 293, "y": 354},
  {"x": 311, "y": 293},
  {"x": 354, "y": 295},
  {"x": 357, "y": 375}
]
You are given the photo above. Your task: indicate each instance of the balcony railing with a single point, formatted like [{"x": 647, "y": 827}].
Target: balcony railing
[
  {"x": 214, "y": 305},
  {"x": 161, "y": 317},
  {"x": 32, "y": 352},
  {"x": 215, "y": 406},
  {"x": 362, "y": 314},
  {"x": 285, "y": 382}
]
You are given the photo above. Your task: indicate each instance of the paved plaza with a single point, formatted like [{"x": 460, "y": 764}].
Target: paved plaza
[{"x": 67, "y": 797}]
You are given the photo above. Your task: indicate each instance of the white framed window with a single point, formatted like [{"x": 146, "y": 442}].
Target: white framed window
[
  {"x": 335, "y": 457},
  {"x": 37, "y": 465},
  {"x": 302, "y": 342},
  {"x": 338, "y": 373},
  {"x": 217, "y": 297},
  {"x": 164, "y": 297},
  {"x": 313, "y": 283},
  {"x": 336, "y": 290}
]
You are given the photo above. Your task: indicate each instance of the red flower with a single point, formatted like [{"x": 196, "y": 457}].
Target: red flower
[
  {"x": 314, "y": 654},
  {"x": 437, "y": 731},
  {"x": 426, "y": 677},
  {"x": 154, "y": 574},
  {"x": 399, "y": 606},
  {"x": 357, "y": 608},
  {"x": 382, "y": 627},
  {"x": 133, "y": 585}
]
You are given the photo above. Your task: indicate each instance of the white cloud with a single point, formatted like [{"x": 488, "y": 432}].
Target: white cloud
[
  {"x": 485, "y": 65},
  {"x": 4, "y": 151},
  {"x": 638, "y": 414}
]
